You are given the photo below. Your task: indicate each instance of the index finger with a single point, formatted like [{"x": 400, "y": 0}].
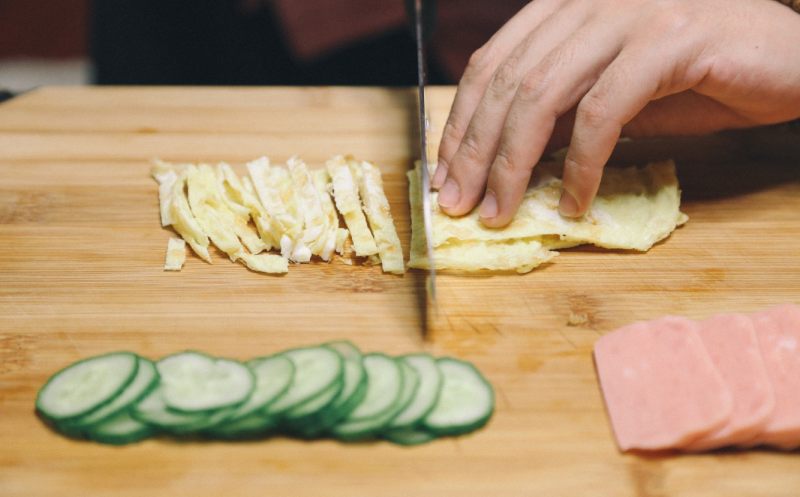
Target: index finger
[{"x": 478, "y": 74}]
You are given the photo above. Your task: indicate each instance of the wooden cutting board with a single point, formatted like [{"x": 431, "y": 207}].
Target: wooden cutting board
[{"x": 81, "y": 252}]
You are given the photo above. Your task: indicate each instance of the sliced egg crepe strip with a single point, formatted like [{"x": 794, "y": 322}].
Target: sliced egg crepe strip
[
  {"x": 165, "y": 174},
  {"x": 219, "y": 222},
  {"x": 322, "y": 185},
  {"x": 176, "y": 254},
  {"x": 342, "y": 235},
  {"x": 345, "y": 193},
  {"x": 265, "y": 263},
  {"x": 292, "y": 244},
  {"x": 467, "y": 255},
  {"x": 376, "y": 207},
  {"x": 240, "y": 215},
  {"x": 315, "y": 222},
  {"x": 246, "y": 206},
  {"x": 274, "y": 189},
  {"x": 184, "y": 221},
  {"x": 215, "y": 219},
  {"x": 267, "y": 228},
  {"x": 634, "y": 209}
]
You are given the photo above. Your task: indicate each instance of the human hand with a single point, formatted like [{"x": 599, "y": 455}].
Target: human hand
[{"x": 613, "y": 67}]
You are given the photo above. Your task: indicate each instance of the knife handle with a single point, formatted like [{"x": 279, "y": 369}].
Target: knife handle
[{"x": 428, "y": 17}]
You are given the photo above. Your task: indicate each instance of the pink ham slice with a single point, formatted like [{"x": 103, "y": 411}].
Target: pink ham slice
[
  {"x": 778, "y": 331},
  {"x": 732, "y": 345},
  {"x": 661, "y": 389}
]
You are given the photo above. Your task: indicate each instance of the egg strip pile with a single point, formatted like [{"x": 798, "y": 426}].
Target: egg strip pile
[{"x": 278, "y": 214}]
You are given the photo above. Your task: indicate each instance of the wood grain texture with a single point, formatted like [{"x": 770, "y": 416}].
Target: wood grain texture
[{"x": 81, "y": 252}]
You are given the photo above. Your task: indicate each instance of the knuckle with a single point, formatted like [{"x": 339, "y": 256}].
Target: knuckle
[
  {"x": 470, "y": 150},
  {"x": 480, "y": 62},
  {"x": 592, "y": 111},
  {"x": 504, "y": 166},
  {"x": 451, "y": 132},
  {"x": 449, "y": 143},
  {"x": 576, "y": 167},
  {"x": 671, "y": 16},
  {"x": 533, "y": 86},
  {"x": 504, "y": 79}
]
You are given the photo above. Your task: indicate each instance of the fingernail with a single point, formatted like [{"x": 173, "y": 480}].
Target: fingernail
[
  {"x": 568, "y": 206},
  {"x": 439, "y": 176},
  {"x": 449, "y": 194},
  {"x": 488, "y": 208}
]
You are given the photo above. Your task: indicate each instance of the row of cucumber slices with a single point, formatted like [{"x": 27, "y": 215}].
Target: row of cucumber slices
[{"x": 331, "y": 390}]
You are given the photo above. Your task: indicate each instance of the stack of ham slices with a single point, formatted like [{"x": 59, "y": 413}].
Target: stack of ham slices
[{"x": 678, "y": 384}]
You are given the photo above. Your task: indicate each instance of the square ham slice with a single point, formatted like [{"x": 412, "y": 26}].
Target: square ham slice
[
  {"x": 660, "y": 387},
  {"x": 732, "y": 345},
  {"x": 778, "y": 331}
]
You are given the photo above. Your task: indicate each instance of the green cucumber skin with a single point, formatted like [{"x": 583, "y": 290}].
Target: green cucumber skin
[
  {"x": 124, "y": 439},
  {"x": 460, "y": 430},
  {"x": 80, "y": 423},
  {"x": 138, "y": 435},
  {"x": 250, "y": 364},
  {"x": 67, "y": 430},
  {"x": 250, "y": 427},
  {"x": 418, "y": 422},
  {"x": 463, "y": 429},
  {"x": 409, "y": 437},
  {"x": 268, "y": 411},
  {"x": 306, "y": 426},
  {"x": 91, "y": 409},
  {"x": 283, "y": 391},
  {"x": 360, "y": 391},
  {"x": 209, "y": 421},
  {"x": 375, "y": 425},
  {"x": 400, "y": 372},
  {"x": 330, "y": 419},
  {"x": 167, "y": 427},
  {"x": 340, "y": 408}
]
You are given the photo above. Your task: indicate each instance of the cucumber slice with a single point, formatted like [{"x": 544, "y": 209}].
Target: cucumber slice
[
  {"x": 86, "y": 385},
  {"x": 194, "y": 382},
  {"x": 465, "y": 403},
  {"x": 309, "y": 409},
  {"x": 316, "y": 369},
  {"x": 360, "y": 428},
  {"x": 120, "y": 429},
  {"x": 352, "y": 393},
  {"x": 68, "y": 430},
  {"x": 384, "y": 386},
  {"x": 153, "y": 410},
  {"x": 273, "y": 376},
  {"x": 409, "y": 436},
  {"x": 430, "y": 385},
  {"x": 337, "y": 413},
  {"x": 212, "y": 420},
  {"x": 251, "y": 426},
  {"x": 355, "y": 381},
  {"x": 146, "y": 379}
]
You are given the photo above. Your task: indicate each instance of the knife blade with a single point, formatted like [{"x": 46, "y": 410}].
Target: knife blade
[{"x": 420, "y": 33}]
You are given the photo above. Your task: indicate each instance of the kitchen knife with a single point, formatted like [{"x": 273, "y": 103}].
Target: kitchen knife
[{"x": 420, "y": 34}]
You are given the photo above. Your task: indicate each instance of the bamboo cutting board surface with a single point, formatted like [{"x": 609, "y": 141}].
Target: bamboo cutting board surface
[{"x": 81, "y": 252}]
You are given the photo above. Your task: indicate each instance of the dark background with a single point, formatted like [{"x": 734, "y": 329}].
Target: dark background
[{"x": 201, "y": 42}]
